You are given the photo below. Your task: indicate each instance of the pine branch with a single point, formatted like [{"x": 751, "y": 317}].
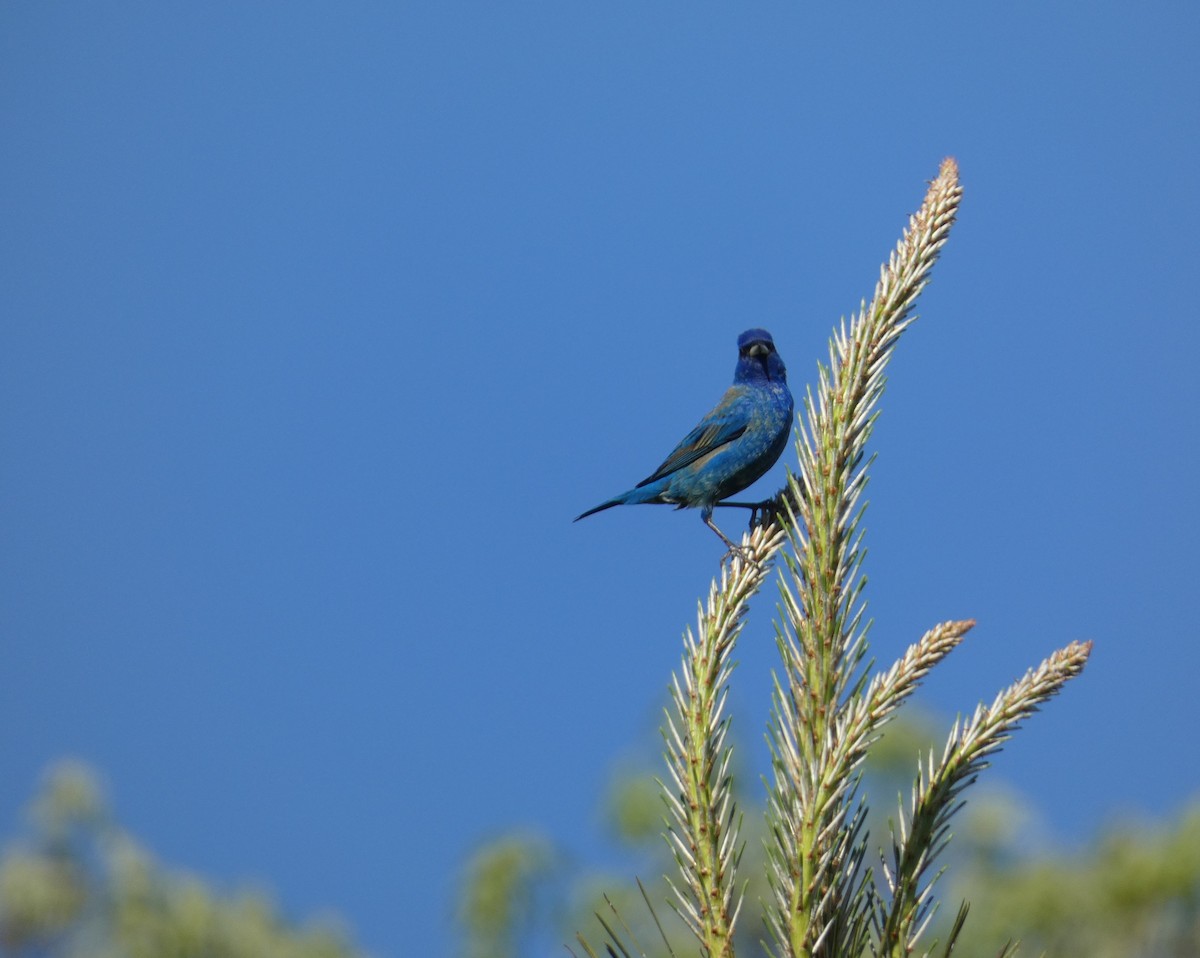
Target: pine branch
[
  {"x": 819, "y": 730},
  {"x": 889, "y": 689},
  {"x": 925, "y": 833},
  {"x": 703, "y": 823}
]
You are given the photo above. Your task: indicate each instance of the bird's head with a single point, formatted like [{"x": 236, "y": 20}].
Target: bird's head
[{"x": 757, "y": 359}]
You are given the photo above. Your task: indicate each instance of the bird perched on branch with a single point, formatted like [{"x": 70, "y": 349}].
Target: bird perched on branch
[{"x": 732, "y": 446}]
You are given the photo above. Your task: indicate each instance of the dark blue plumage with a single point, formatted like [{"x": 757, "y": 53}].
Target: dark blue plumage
[{"x": 732, "y": 446}]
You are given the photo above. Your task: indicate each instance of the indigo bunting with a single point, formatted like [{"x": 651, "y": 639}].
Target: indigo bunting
[{"x": 732, "y": 446}]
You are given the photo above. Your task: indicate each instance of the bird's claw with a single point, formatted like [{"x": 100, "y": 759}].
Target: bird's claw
[
  {"x": 740, "y": 552},
  {"x": 762, "y": 513}
]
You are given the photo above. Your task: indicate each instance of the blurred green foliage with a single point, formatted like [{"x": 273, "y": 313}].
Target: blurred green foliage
[
  {"x": 1135, "y": 891},
  {"x": 1132, "y": 893},
  {"x": 78, "y": 886},
  {"x": 500, "y": 892}
]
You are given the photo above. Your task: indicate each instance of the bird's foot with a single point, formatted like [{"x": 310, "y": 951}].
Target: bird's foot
[
  {"x": 764, "y": 513},
  {"x": 739, "y": 552}
]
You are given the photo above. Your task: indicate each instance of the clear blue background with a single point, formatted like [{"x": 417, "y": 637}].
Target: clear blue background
[{"x": 319, "y": 322}]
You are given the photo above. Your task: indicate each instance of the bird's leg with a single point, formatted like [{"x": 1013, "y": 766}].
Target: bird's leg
[
  {"x": 706, "y": 515},
  {"x": 724, "y": 538}
]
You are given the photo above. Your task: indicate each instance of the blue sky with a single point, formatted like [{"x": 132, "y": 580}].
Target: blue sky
[{"x": 318, "y": 323}]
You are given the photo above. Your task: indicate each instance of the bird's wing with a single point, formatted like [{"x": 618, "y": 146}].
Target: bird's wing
[{"x": 721, "y": 426}]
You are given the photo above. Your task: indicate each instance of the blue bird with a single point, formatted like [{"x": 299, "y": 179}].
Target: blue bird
[{"x": 733, "y": 445}]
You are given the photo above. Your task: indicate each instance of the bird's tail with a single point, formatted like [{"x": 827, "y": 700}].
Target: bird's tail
[
  {"x": 632, "y": 497},
  {"x": 599, "y": 508}
]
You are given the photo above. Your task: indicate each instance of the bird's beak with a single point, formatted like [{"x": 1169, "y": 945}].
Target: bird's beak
[{"x": 758, "y": 349}]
